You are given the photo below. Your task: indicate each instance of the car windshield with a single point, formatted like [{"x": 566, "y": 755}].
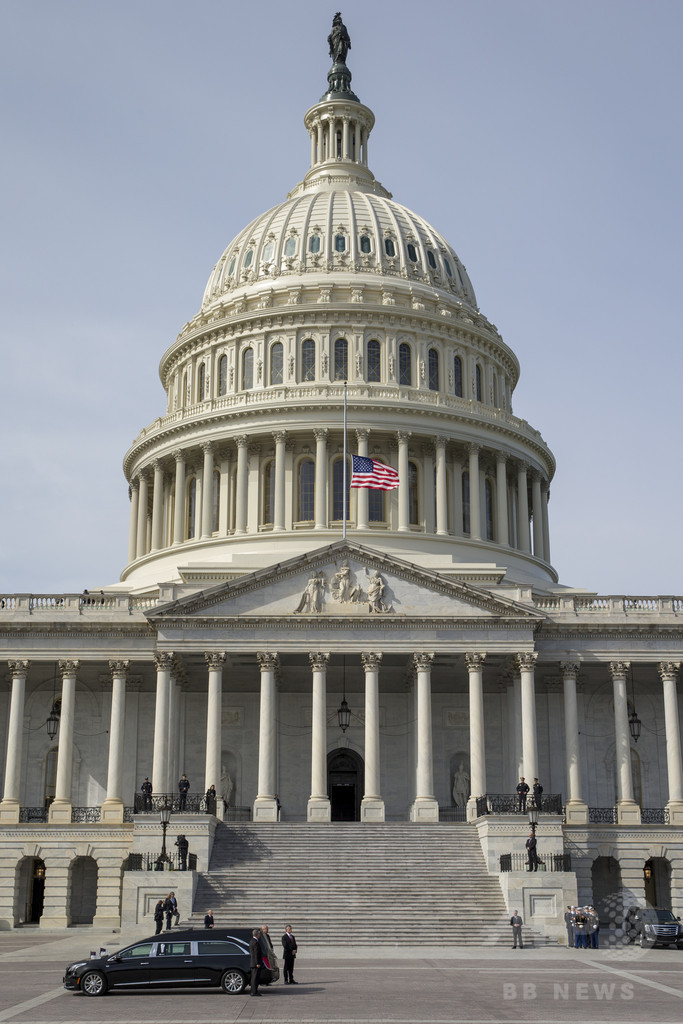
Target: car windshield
[{"x": 655, "y": 916}]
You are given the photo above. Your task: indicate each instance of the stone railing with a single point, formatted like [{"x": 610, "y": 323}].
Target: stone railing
[
  {"x": 452, "y": 814},
  {"x": 75, "y": 604},
  {"x": 193, "y": 803},
  {"x": 153, "y": 862},
  {"x": 654, "y": 815},
  {"x": 602, "y": 815},
  {"x": 508, "y": 803},
  {"x": 578, "y": 606},
  {"x": 549, "y": 862}
]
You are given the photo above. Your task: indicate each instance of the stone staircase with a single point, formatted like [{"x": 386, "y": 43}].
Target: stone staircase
[{"x": 353, "y": 883}]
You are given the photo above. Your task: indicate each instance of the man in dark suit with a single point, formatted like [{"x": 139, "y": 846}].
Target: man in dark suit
[
  {"x": 522, "y": 790},
  {"x": 183, "y": 787},
  {"x": 146, "y": 788},
  {"x": 208, "y": 919},
  {"x": 538, "y": 793},
  {"x": 532, "y": 852},
  {"x": 289, "y": 948},
  {"x": 255, "y": 960},
  {"x": 516, "y": 922}
]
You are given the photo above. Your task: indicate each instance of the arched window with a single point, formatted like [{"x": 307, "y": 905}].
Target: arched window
[
  {"x": 248, "y": 369},
  {"x": 433, "y": 367},
  {"x": 216, "y": 502},
  {"x": 432, "y": 259},
  {"x": 457, "y": 376},
  {"x": 448, "y": 267},
  {"x": 269, "y": 493},
  {"x": 223, "y": 375},
  {"x": 191, "y": 518},
  {"x": 412, "y": 253},
  {"x": 413, "y": 496},
  {"x": 466, "y": 502},
  {"x": 276, "y": 363},
  {"x": 308, "y": 360},
  {"x": 488, "y": 501},
  {"x": 478, "y": 383},
  {"x": 314, "y": 244},
  {"x": 365, "y": 244},
  {"x": 338, "y": 489},
  {"x": 268, "y": 252},
  {"x": 341, "y": 359},
  {"x": 201, "y": 382},
  {"x": 290, "y": 247},
  {"x": 248, "y": 258},
  {"x": 374, "y": 362},
  {"x": 405, "y": 365},
  {"x": 306, "y": 509},
  {"x": 339, "y": 243},
  {"x": 389, "y": 247},
  {"x": 376, "y": 506}
]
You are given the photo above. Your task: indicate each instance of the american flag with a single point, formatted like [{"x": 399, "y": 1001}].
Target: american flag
[{"x": 376, "y": 475}]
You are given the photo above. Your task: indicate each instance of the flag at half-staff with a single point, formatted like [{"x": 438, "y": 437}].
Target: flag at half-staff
[{"x": 370, "y": 473}]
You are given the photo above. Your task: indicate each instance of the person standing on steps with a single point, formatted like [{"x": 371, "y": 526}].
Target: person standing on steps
[
  {"x": 516, "y": 923},
  {"x": 208, "y": 919},
  {"x": 159, "y": 916},
  {"x": 532, "y": 852},
  {"x": 255, "y": 960},
  {"x": 289, "y": 948}
]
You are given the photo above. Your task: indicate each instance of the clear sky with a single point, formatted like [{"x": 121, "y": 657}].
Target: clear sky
[{"x": 541, "y": 137}]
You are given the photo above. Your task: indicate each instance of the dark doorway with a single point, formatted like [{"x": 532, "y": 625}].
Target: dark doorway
[
  {"x": 657, "y": 879},
  {"x": 30, "y": 892},
  {"x": 345, "y": 784}
]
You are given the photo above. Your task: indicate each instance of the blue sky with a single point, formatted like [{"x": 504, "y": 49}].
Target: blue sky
[{"x": 543, "y": 139}]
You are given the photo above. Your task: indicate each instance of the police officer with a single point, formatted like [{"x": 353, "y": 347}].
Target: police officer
[
  {"x": 146, "y": 789},
  {"x": 522, "y": 790},
  {"x": 183, "y": 846},
  {"x": 183, "y": 787}
]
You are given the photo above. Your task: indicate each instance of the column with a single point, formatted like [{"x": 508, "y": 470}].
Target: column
[
  {"x": 242, "y": 484},
  {"x": 475, "y": 669},
  {"x": 60, "y": 809},
  {"x": 577, "y": 811},
  {"x": 502, "y": 499},
  {"x": 11, "y": 800},
  {"x": 142, "y": 516},
  {"x": 320, "y": 478},
  {"x": 403, "y": 481},
  {"x": 545, "y": 497},
  {"x": 163, "y": 662},
  {"x": 345, "y": 139},
  {"x": 280, "y": 437},
  {"x": 179, "y": 506},
  {"x": 628, "y": 811},
  {"x": 214, "y": 725},
  {"x": 362, "y": 494},
  {"x": 321, "y": 144},
  {"x": 319, "y": 802},
  {"x": 457, "y": 496},
  {"x": 523, "y": 509},
  {"x": 668, "y": 673},
  {"x": 158, "y": 507},
  {"x": 312, "y": 134},
  {"x": 174, "y": 770},
  {"x": 526, "y": 663},
  {"x": 441, "y": 501},
  {"x": 539, "y": 549},
  {"x": 207, "y": 489},
  {"x": 475, "y": 493},
  {"x": 372, "y": 804},
  {"x": 133, "y": 526},
  {"x": 112, "y": 808},
  {"x": 265, "y": 807},
  {"x": 425, "y": 806}
]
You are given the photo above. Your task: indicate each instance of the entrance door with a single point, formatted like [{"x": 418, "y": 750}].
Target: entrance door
[{"x": 345, "y": 784}]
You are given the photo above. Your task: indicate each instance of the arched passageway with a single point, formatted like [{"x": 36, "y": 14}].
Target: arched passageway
[{"x": 83, "y": 890}]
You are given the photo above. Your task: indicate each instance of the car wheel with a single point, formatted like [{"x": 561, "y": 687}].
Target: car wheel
[
  {"x": 233, "y": 982},
  {"x": 93, "y": 984}
]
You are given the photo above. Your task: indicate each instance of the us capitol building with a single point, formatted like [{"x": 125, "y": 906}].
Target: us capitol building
[{"x": 409, "y": 665}]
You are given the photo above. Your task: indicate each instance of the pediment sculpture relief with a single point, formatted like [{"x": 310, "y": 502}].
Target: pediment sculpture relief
[{"x": 344, "y": 589}]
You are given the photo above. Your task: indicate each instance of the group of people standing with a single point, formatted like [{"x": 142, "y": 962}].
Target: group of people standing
[
  {"x": 583, "y": 927},
  {"x": 168, "y": 909},
  {"x": 261, "y": 939},
  {"x": 523, "y": 790}
]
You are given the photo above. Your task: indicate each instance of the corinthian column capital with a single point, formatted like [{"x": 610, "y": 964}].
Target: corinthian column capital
[
  {"x": 68, "y": 668},
  {"x": 371, "y": 660},
  {"x": 475, "y": 659},
  {"x": 215, "y": 659},
  {"x": 668, "y": 669},
  {"x": 119, "y": 669},
  {"x": 319, "y": 659},
  {"x": 18, "y": 668},
  {"x": 164, "y": 661},
  {"x": 423, "y": 660},
  {"x": 527, "y": 660}
]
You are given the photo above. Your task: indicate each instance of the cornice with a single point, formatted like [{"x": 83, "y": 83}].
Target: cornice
[{"x": 305, "y": 623}]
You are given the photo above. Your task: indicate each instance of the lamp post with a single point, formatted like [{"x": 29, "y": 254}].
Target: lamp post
[
  {"x": 533, "y": 819},
  {"x": 164, "y": 817}
]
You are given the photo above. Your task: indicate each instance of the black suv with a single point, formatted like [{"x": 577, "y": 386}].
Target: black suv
[
  {"x": 179, "y": 959},
  {"x": 649, "y": 926}
]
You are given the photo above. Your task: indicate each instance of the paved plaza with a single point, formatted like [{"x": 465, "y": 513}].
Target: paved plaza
[{"x": 352, "y": 986}]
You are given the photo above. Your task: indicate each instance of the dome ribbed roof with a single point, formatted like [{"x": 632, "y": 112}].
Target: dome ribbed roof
[{"x": 335, "y": 229}]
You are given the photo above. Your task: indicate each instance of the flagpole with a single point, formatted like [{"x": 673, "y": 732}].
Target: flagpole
[{"x": 344, "y": 477}]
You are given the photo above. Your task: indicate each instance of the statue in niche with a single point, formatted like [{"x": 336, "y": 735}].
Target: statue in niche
[
  {"x": 339, "y": 40},
  {"x": 343, "y": 588},
  {"x": 376, "y": 594},
  {"x": 227, "y": 786},
  {"x": 312, "y": 597},
  {"x": 461, "y": 786}
]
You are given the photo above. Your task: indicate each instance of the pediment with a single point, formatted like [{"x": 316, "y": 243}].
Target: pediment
[{"x": 345, "y": 580}]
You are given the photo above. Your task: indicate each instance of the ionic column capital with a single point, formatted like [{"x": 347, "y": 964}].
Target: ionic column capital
[
  {"x": 319, "y": 659},
  {"x": 215, "y": 659},
  {"x": 475, "y": 660},
  {"x": 619, "y": 669},
  {"x": 119, "y": 669},
  {"x": 18, "y": 668},
  {"x": 371, "y": 660},
  {"x": 68, "y": 668},
  {"x": 668, "y": 669}
]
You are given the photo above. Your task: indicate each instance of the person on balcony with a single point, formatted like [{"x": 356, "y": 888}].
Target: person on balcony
[
  {"x": 522, "y": 790},
  {"x": 538, "y": 793},
  {"x": 146, "y": 789},
  {"x": 183, "y": 788}
]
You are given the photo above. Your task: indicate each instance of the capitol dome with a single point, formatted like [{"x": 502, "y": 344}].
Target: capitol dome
[{"x": 338, "y": 297}]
